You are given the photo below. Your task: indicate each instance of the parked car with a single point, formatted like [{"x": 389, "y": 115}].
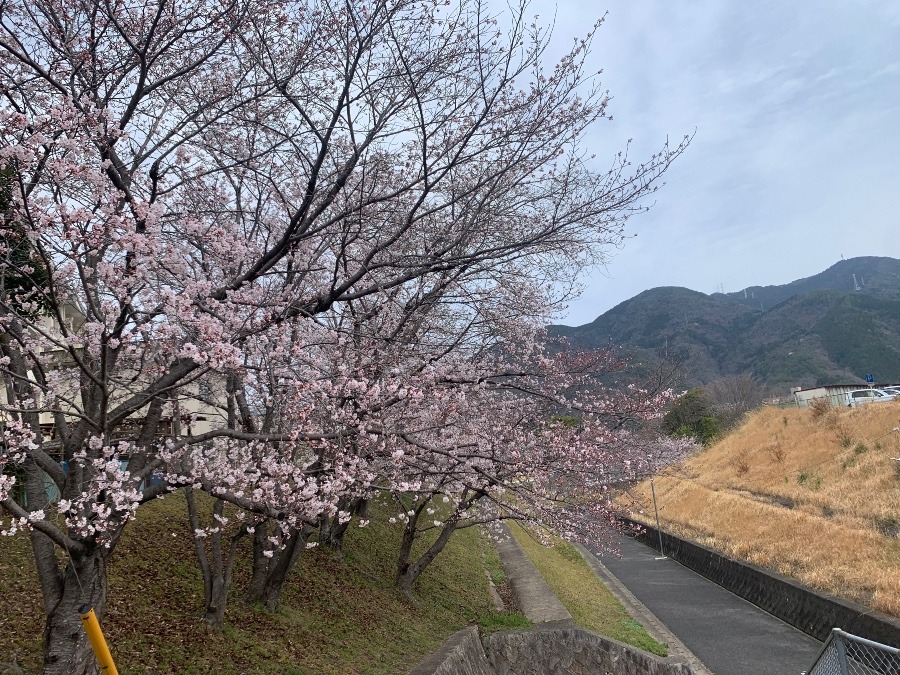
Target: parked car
[
  {"x": 894, "y": 391},
  {"x": 866, "y": 396}
]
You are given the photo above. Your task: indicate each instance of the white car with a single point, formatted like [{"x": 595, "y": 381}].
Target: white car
[{"x": 866, "y": 396}]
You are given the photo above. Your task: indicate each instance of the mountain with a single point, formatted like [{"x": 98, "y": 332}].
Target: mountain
[
  {"x": 823, "y": 329},
  {"x": 867, "y": 275}
]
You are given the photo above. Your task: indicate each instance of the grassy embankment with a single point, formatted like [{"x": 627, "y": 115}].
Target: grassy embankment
[
  {"x": 812, "y": 494},
  {"x": 589, "y": 602},
  {"x": 338, "y": 615}
]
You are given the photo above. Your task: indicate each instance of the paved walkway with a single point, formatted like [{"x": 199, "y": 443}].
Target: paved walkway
[
  {"x": 727, "y": 633},
  {"x": 651, "y": 623},
  {"x": 535, "y": 597}
]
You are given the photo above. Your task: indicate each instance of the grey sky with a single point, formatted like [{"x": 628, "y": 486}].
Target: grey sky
[{"x": 796, "y": 159}]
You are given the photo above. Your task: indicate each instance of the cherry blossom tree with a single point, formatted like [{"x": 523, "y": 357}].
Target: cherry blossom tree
[
  {"x": 453, "y": 408},
  {"x": 189, "y": 186},
  {"x": 497, "y": 446}
]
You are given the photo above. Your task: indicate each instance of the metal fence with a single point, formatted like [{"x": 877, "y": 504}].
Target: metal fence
[{"x": 846, "y": 654}]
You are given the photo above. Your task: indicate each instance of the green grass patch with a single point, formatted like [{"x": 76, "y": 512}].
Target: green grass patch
[
  {"x": 492, "y": 563},
  {"x": 588, "y": 600},
  {"x": 504, "y": 621},
  {"x": 339, "y": 614}
]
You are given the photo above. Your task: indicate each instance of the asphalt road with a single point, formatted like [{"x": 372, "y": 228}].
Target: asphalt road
[{"x": 727, "y": 633}]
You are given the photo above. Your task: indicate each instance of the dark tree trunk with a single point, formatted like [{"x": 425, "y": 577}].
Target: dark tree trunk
[
  {"x": 257, "y": 585},
  {"x": 68, "y": 591},
  {"x": 214, "y": 612},
  {"x": 332, "y": 530},
  {"x": 284, "y": 563},
  {"x": 83, "y": 585},
  {"x": 406, "y": 544},
  {"x": 408, "y": 572},
  {"x": 268, "y": 579},
  {"x": 216, "y": 565},
  {"x": 411, "y": 572}
]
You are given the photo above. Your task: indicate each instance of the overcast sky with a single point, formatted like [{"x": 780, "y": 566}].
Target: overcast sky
[{"x": 796, "y": 158}]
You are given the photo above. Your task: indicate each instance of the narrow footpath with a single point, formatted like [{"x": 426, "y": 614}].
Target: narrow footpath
[{"x": 728, "y": 634}]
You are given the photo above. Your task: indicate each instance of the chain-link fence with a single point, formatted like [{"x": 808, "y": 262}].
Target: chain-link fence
[{"x": 846, "y": 654}]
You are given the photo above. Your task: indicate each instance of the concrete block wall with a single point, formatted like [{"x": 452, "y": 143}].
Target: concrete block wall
[
  {"x": 461, "y": 654},
  {"x": 553, "y": 648},
  {"x": 569, "y": 650}
]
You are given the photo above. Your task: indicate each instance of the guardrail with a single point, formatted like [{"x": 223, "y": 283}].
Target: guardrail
[{"x": 846, "y": 654}]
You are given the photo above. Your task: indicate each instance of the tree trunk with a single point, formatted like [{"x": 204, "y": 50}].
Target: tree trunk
[
  {"x": 257, "y": 584},
  {"x": 214, "y": 614},
  {"x": 278, "y": 573},
  {"x": 84, "y": 585},
  {"x": 408, "y": 573},
  {"x": 268, "y": 580},
  {"x": 332, "y": 530},
  {"x": 406, "y": 544},
  {"x": 215, "y": 567},
  {"x": 411, "y": 573}
]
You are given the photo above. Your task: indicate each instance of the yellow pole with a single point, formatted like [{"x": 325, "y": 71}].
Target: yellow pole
[{"x": 98, "y": 642}]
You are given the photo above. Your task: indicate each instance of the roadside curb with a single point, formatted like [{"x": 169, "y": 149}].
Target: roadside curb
[{"x": 638, "y": 611}]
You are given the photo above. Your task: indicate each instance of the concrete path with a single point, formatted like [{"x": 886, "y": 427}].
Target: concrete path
[
  {"x": 535, "y": 597},
  {"x": 728, "y": 634}
]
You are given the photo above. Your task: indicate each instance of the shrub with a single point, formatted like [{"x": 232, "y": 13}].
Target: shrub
[
  {"x": 819, "y": 408},
  {"x": 692, "y": 415},
  {"x": 809, "y": 480},
  {"x": 888, "y": 526},
  {"x": 777, "y": 452}
]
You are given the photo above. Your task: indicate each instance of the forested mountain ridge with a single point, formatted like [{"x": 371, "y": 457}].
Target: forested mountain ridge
[
  {"x": 868, "y": 275},
  {"x": 835, "y": 326}
]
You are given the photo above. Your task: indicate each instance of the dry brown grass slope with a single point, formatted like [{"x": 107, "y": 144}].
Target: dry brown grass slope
[{"x": 812, "y": 494}]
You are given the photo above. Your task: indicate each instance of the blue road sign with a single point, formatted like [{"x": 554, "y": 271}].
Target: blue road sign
[{"x": 870, "y": 378}]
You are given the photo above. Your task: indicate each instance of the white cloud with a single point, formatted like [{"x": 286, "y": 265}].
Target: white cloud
[{"x": 797, "y": 151}]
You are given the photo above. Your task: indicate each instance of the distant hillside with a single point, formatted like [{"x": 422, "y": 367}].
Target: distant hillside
[
  {"x": 691, "y": 327},
  {"x": 868, "y": 275},
  {"x": 812, "y": 331}
]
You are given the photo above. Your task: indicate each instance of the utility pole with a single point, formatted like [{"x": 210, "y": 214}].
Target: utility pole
[{"x": 658, "y": 528}]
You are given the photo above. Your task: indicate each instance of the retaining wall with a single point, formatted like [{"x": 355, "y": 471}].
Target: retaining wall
[
  {"x": 461, "y": 654},
  {"x": 813, "y": 612},
  {"x": 553, "y": 648}
]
